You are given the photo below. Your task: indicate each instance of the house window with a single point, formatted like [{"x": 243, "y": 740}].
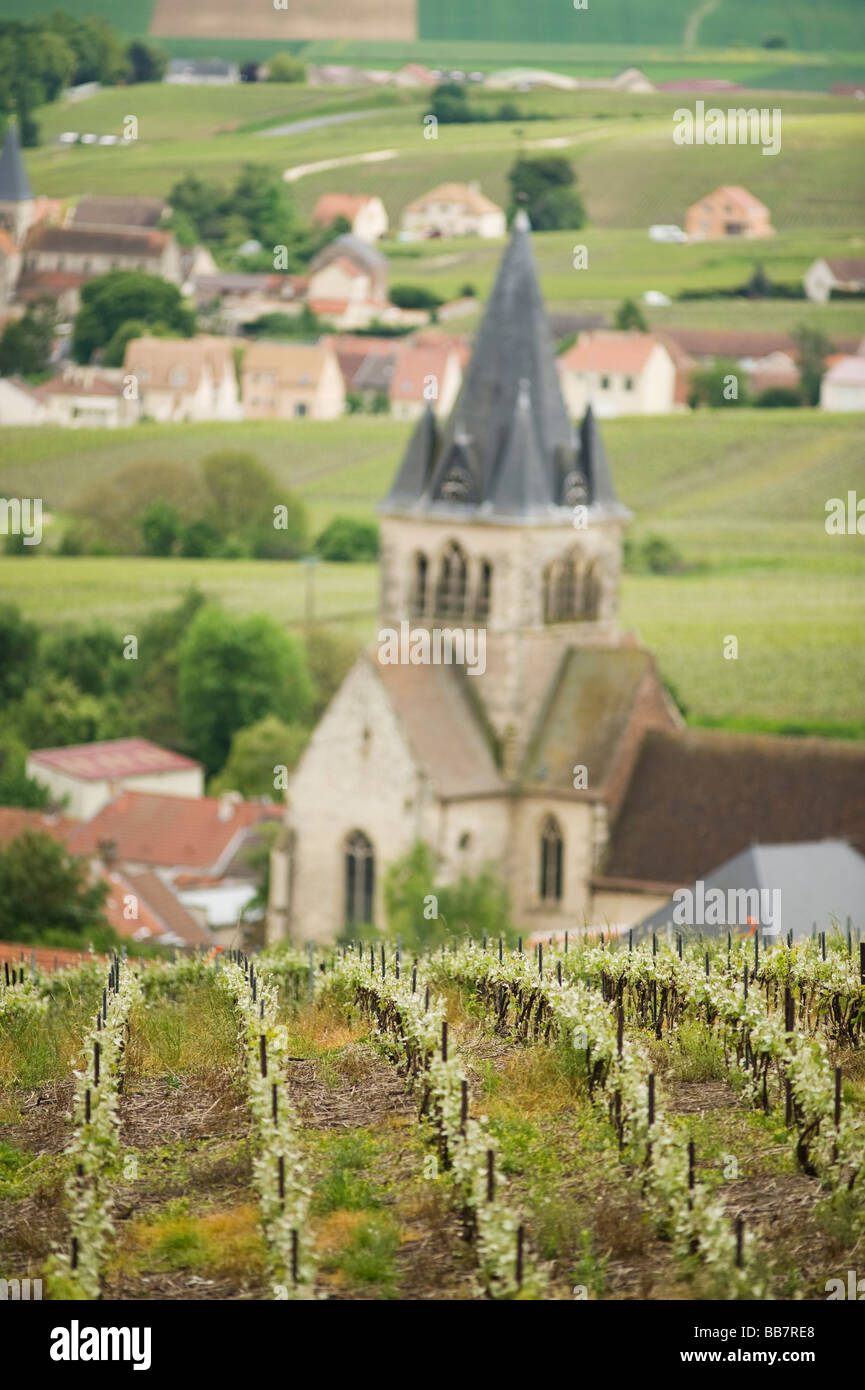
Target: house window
[
  {"x": 451, "y": 588},
  {"x": 605, "y": 383},
  {"x": 484, "y": 593},
  {"x": 359, "y": 879},
  {"x": 551, "y": 861},
  {"x": 300, "y": 408},
  {"x": 629, "y": 383},
  {"x": 419, "y": 586}
]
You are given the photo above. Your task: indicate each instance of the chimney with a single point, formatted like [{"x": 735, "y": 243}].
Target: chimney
[
  {"x": 227, "y": 804},
  {"x": 107, "y": 852}
]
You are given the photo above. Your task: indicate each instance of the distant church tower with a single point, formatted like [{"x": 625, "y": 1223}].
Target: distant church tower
[
  {"x": 502, "y": 519},
  {"x": 16, "y": 196},
  {"x": 506, "y": 518}
]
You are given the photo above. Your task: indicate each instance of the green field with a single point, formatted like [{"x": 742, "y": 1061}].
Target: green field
[{"x": 740, "y": 495}]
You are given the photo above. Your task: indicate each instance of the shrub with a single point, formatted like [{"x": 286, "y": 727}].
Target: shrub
[{"x": 348, "y": 539}]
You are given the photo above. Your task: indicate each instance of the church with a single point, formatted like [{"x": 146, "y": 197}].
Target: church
[{"x": 502, "y": 520}]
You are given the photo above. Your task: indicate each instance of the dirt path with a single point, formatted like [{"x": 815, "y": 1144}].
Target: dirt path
[{"x": 365, "y": 1157}]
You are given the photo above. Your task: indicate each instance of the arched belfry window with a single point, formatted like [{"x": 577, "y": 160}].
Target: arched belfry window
[
  {"x": 419, "y": 586},
  {"x": 551, "y": 861},
  {"x": 359, "y": 879},
  {"x": 483, "y": 597},
  {"x": 590, "y": 597},
  {"x": 571, "y": 590},
  {"x": 452, "y": 582}
]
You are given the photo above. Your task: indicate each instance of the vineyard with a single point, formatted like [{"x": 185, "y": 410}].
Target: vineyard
[{"x": 587, "y": 1120}]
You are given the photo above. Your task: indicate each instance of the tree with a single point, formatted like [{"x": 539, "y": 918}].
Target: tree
[
  {"x": 153, "y": 706},
  {"x": 203, "y": 203},
  {"x": 232, "y": 672},
  {"x": 160, "y": 526},
  {"x": 55, "y": 713},
  {"x": 92, "y": 657},
  {"x": 26, "y": 343},
  {"x": 775, "y": 397},
  {"x": 814, "y": 347},
  {"x": 717, "y": 386},
  {"x": 348, "y": 538},
  {"x": 449, "y": 104},
  {"x": 546, "y": 188},
  {"x": 43, "y": 889},
  {"x": 330, "y": 657},
  {"x": 16, "y": 788},
  {"x": 262, "y": 199},
  {"x": 19, "y": 652},
  {"x": 426, "y": 914},
  {"x": 240, "y": 490},
  {"x": 629, "y": 318},
  {"x": 199, "y": 540},
  {"x": 284, "y": 67},
  {"x": 114, "y": 507},
  {"x": 414, "y": 297},
  {"x": 122, "y": 295},
  {"x": 255, "y": 752},
  {"x": 147, "y": 63}
]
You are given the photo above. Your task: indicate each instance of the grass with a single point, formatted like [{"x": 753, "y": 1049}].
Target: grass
[
  {"x": 227, "y": 1243},
  {"x": 194, "y": 1035}
]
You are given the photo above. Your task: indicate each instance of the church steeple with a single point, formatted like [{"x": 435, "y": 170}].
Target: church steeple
[
  {"x": 508, "y": 452},
  {"x": 16, "y": 195}
]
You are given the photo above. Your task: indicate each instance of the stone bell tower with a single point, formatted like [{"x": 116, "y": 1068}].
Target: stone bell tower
[{"x": 504, "y": 518}]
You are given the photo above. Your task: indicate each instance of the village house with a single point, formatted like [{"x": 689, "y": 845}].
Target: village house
[
  {"x": 237, "y": 298},
  {"x": 92, "y": 774},
  {"x": 21, "y": 403},
  {"x": 834, "y": 275},
  {"x": 366, "y": 364},
  {"x": 365, "y": 213},
  {"x": 88, "y": 396},
  {"x": 618, "y": 374},
  {"x": 730, "y": 211},
  {"x": 843, "y": 386},
  {"x": 424, "y": 373},
  {"x": 201, "y": 72},
  {"x": 184, "y": 378},
  {"x": 10, "y": 267},
  {"x": 284, "y": 381},
  {"x": 348, "y": 283},
  {"x": 453, "y": 209},
  {"x": 66, "y": 257}
]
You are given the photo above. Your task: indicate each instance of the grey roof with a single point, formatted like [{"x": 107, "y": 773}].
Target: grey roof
[
  {"x": 508, "y": 450},
  {"x": 14, "y": 183},
  {"x": 822, "y": 881},
  {"x": 351, "y": 246}
]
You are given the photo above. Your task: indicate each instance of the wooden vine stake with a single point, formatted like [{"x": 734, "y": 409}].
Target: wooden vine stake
[{"x": 491, "y": 1174}]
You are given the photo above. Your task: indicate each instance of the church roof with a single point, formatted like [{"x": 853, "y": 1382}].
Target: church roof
[
  {"x": 445, "y": 729},
  {"x": 584, "y": 718},
  {"x": 14, "y": 183},
  {"x": 508, "y": 451},
  {"x": 696, "y": 798}
]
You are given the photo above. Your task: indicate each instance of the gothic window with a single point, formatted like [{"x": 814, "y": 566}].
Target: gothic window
[
  {"x": 571, "y": 591},
  {"x": 451, "y": 587},
  {"x": 419, "y": 586},
  {"x": 551, "y": 861},
  {"x": 484, "y": 593},
  {"x": 591, "y": 595},
  {"x": 359, "y": 879}
]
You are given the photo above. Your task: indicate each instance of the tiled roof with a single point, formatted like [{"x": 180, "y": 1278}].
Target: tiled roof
[
  {"x": 609, "y": 352},
  {"x": 163, "y": 906},
  {"x": 168, "y": 831},
  {"x": 849, "y": 371},
  {"x": 434, "y": 706},
  {"x": 332, "y": 205},
  {"x": 460, "y": 193},
  {"x": 117, "y": 212},
  {"x": 178, "y": 364},
  {"x": 733, "y": 193},
  {"x": 14, "y": 821},
  {"x": 293, "y": 364},
  {"x": 413, "y": 364},
  {"x": 86, "y": 241},
  {"x": 735, "y": 343},
  {"x": 120, "y": 757},
  {"x": 698, "y": 797},
  {"x": 847, "y": 267}
]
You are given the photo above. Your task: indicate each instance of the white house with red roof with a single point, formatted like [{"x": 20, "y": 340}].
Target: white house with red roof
[
  {"x": 618, "y": 374},
  {"x": 843, "y": 386},
  {"x": 92, "y": 774},
  {"x": 365, "y": 213}
]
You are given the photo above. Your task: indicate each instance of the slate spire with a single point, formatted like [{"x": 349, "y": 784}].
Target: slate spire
[
  {"x": 508, "y": 449},
  {"x": 14, "y": 183}
]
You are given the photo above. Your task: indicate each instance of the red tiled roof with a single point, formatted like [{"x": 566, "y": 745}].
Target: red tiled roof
[
  {"x": 171, "y": 831},
  {"x": 414, "y": 364},
  {"x": 610, "y": 352},
  {"x": 14, "y": 821},
  {"x": 332, "y": 205},
  {"x": 119, "y": 757}
]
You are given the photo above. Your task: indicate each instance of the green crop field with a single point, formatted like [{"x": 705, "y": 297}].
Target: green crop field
[{"x": 740, "y": 495}]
